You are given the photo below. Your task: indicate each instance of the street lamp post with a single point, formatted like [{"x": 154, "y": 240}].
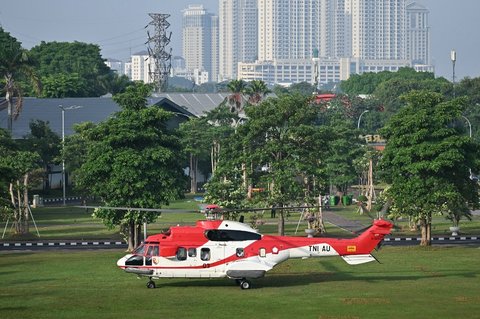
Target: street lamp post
[
  {"x": 360, "y": 118},
  {"x": 453, "y": 57},
  {"x": 73, "y": 107},
  {"x": 469, "y": 126}
]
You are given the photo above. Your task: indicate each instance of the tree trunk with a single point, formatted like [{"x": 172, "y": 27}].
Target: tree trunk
[
  {"x": 214, "y": 155},
  {"x": 193, "y": 173},
  {"x": 281, "y": 223},
  {"x": 26, "y": 209},
  {"x": 320, "y": 225},
  {"x": 426, "y": 227},
  {"x": 371, "y": 191},
  {"x": 131, "y": 236},
  {"x": 138, "y": 235}
]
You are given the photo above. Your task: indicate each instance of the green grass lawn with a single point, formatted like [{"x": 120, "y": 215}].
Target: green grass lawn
[{"x": 411, "y": 282}]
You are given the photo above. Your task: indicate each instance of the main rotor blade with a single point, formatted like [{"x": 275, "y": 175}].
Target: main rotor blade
[
  {"x": 218, "y": 211},
  {"x": 158, "y": 210},
  {"x": 229, "y": 210}
]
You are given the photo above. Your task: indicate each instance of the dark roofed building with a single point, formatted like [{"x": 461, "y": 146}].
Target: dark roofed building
[{"x": 96, "y": 110}]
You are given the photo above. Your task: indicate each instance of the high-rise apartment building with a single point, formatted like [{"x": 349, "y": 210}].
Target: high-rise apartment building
[
  {"x": 288, "y": 29},
  {"x": 200, "y": 40},
  {"x": 351, "y": 36},
  {"x": 141, "y": 66},
  {"x": 237, "y": 25},
  {"x": 378, "y": 28},
  {"x": 334, "y": 35},
  {"x": 418, "y": 34}
]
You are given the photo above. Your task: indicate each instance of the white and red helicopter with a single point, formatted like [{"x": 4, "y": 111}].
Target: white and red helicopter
[{"x": 224, "y": 248}]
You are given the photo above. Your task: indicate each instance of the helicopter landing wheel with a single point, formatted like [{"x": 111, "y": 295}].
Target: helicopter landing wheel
[
  {"x": 245, "y": 284},
  {"x": 151, "y": 285}
]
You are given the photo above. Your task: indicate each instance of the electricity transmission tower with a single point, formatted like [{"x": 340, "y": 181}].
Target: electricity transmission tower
[{"x": 157, "y": 46}]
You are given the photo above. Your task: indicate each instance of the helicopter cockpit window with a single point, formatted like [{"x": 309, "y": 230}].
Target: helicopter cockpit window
[
  {"x": 231, "y": 235},
  {"x": 181, "y": 253},
  {"x": 152, "y": 250},
  {"x": 140, "y": 250},
  {"x": 135, "y": 260}
]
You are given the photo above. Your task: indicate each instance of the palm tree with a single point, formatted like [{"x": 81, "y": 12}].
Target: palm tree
[
  {"x": 14, "y": 64},
  {"x": 256, "y": 91},
  {"x": 236, "y": 99}
]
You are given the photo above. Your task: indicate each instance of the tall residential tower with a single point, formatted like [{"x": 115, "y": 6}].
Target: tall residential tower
[
  {"x": 418, "y": 34},
  {"x": 200, "y": 39},
  {"x": 238, "y": 35}
]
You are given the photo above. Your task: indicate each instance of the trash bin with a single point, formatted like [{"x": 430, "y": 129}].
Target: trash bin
[
  {"x": 346, "y": 200},
  {"x": 334, "y": 200}
]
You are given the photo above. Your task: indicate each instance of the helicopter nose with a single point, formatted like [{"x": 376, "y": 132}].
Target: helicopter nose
[{"x": 121, "y": 261}]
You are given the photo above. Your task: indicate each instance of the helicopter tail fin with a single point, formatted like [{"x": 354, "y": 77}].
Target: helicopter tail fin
[{"x": 358, "y": 252}]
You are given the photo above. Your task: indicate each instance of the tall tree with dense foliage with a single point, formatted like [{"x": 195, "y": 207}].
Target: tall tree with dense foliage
[
  {"x": 47, "y": 144},
  {"x": 15, "y": 64},
  {"x": 71, "y": 69},
  {"x": 133, "y": 160},
  {"x": 256, "y": 91},
  {"x": 427, "y": 159},
  {"x": 278, "y": 136},
  {"x": 16, "y": 168},
  {"x": 196, "y": 143},
  {"x": 367, "y": 83},
  {"x": 236, "y": 99}
]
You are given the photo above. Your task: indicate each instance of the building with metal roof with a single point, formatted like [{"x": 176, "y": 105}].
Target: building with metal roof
[{"x": 96, "y": 110}]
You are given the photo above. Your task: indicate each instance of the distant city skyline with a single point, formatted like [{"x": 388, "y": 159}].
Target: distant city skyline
[{"x": 117, "y": 26}]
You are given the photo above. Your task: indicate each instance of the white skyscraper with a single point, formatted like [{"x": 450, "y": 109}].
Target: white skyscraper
[
  {"x": 238, "y": 35},
  {"x": 141, "y": 65},
  {"x": 199, "y": 40},
  {"x": 335, "y": 38},
  {"x": 378, "y": 28},
  {"x": 288, "y": 29},
  {"x": 418, "y": 34},
  {"x": 351, "y": 36}
]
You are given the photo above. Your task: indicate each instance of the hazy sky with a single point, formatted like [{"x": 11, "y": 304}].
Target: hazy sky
[{"x": 118, "y": 26}]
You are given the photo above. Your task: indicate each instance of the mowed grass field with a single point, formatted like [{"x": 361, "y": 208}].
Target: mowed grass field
[{"x": 411, "y": 282}]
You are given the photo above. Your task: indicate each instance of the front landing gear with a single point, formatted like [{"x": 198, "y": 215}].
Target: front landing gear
[
  {"x": 243, "y": 283},
  {"x": 151, "y": 284}
]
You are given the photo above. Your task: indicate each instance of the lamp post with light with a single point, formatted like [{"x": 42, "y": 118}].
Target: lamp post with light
[
  {"x": 360, "y": 118},
  {"x": 453, "y": 58},
  {"x": 63, "y": 108}
]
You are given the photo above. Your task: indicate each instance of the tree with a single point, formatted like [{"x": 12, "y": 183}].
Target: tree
[
  {"x": 133, "y": 160},
  {"x": 82, "y": 69},
  {"x": 222, "y": 124},
  {"x": 303, "y": 88},
  {"x": 427, "y": 159},
  {"x": 388, "y": 93},
  {"x": 15, "y": 63},
  {"x": 367, "y": 83},
  {"x": 64, "y": 85},
  {"x": 256, "y": 91},
  {"x": 277, "y": 136},
  {"x": 46, "y": 143},
  {"x": 236, "y": 99},
  {"x": 16, "y": 167},
  {"x": 196, "y": 143}
]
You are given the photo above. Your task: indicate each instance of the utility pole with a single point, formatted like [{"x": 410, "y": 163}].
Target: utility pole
[
  {"x": 157, "y": 46},
  {"x": 453, "y": 57}
]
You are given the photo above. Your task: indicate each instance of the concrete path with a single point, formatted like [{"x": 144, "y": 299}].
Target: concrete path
[{"x": 343, "y": 223}]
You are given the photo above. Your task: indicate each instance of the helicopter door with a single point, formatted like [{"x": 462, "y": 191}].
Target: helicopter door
[{"x": 212, "y": 256}]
